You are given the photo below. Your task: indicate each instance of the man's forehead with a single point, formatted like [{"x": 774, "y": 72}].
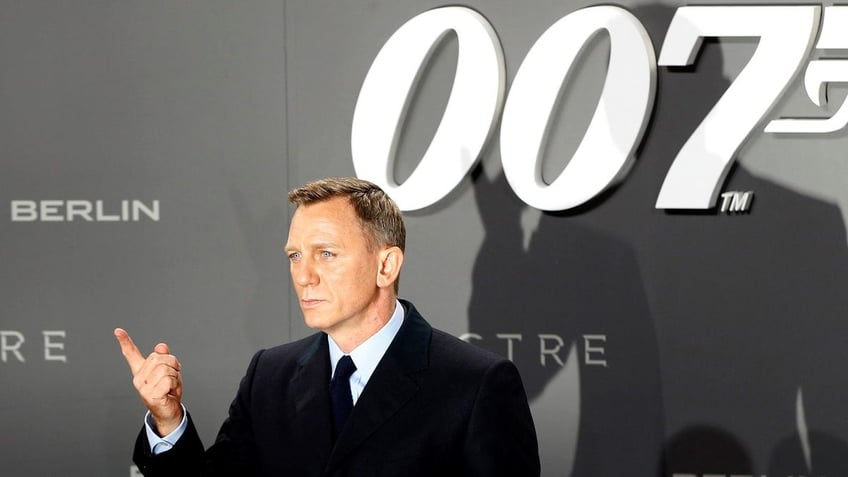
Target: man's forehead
[
  {"x": 319, "y": 228},
  {"x": 318, "y": 224}
]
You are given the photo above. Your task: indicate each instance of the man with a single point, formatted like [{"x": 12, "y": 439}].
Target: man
[{"x": 419, "y": 402}]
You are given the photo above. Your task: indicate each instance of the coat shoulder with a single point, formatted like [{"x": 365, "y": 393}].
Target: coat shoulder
[
  {"x": 446, "y": 349},
  {"x": 288, "y": 355}
]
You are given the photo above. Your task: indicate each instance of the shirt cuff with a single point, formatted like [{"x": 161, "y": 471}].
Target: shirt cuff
[{"x": 158, "y": 444}]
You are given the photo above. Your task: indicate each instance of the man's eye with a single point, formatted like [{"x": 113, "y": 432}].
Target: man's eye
[
  {"x": 327, "y": 254},
  {"x": 294, "y": 255}
]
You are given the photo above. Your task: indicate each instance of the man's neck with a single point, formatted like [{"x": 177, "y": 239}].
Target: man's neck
[{"x": 349, "y": 338}]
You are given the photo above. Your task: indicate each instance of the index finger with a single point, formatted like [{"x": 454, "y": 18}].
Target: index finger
[{"x": 130, "y": 351}]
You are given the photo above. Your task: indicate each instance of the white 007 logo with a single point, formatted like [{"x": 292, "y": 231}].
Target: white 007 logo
[{"x": 478, "y": 97}]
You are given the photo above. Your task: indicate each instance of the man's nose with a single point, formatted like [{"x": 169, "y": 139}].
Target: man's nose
[{"x": 303, "y": 273}]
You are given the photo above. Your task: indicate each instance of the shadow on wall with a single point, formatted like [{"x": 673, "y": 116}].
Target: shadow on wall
[
  {"x": 743, "y": 309},
  {"x": 569, "y": 283},
  {"x": 750, "y": 307},
  {"x": 703, "y": 449},
  {"x": 825, "y": 455}
]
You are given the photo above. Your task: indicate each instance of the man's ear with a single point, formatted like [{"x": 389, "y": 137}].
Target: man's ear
[{"x": 391, "y": 261}]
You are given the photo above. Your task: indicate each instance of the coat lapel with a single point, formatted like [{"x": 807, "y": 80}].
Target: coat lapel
[
  {"x": 394, "y": 382},
  {"x": 310, "y": 388}
]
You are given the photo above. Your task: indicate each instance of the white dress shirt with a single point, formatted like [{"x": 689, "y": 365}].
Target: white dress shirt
[{"x": 367, "y": 355}]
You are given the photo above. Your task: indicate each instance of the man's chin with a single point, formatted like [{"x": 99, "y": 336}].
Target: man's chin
[{"x": 315, "y": 321}]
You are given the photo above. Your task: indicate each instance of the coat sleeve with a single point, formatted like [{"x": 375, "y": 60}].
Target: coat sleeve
[
  {"x": 501, "y": 438},
  {"x": 185, "y": 458},
  {"x": 233, "y": 452}
]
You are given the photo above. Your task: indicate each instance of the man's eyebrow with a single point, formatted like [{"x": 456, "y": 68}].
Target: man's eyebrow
[
  {"x": 320, "y": 244},
  {"x": 324, "y": 245}
]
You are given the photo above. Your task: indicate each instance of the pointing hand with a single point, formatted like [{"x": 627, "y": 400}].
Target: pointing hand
[{"x": 158, "y": 381}]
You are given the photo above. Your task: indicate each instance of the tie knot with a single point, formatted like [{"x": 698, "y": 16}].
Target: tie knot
[{"x": 344, "y": 368}]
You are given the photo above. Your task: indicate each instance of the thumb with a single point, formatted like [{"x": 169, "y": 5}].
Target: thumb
[
  {"x": 130, "y": 350},
  {"x": 162, "y": 348}
]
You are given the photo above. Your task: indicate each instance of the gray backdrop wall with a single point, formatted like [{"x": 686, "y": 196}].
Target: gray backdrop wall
[{"x": 146, "y": 150}]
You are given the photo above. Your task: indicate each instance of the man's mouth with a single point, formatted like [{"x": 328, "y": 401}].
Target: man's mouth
[{"x": 310, "y": 303}]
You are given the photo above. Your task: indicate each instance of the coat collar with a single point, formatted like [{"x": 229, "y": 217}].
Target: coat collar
[
  {"x": 310, "y": 388},
  {"x": 394, "y": 382}
]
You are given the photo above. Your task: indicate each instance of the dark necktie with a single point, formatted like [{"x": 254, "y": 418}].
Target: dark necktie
[{"x": 340, "y": 392}]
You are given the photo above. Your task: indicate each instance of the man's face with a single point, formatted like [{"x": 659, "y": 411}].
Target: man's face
[{"x": 333, "y": 271}]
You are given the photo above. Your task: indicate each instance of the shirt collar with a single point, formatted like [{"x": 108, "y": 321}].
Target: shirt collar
[{"x": 367, "y": 355}]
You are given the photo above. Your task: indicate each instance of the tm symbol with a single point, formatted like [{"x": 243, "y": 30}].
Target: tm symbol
[{"x": 736, "y": 202}]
